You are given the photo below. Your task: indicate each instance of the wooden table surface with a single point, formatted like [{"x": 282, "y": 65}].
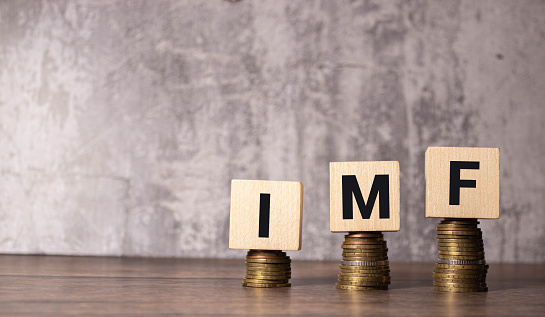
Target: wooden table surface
[{"x": 106, "y": 286}]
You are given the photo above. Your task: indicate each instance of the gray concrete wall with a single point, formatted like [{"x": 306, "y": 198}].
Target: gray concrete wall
[{"x": 123, "y": 122}]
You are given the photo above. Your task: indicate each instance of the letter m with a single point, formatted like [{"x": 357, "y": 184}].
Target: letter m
[{"x": 350, "y": 187}]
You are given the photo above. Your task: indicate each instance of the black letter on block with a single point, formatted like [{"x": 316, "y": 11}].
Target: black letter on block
[
  {"x": 456, "y": 183},
  {"x": 264, "y": 214},
  {"x": 381, "y": 184}
]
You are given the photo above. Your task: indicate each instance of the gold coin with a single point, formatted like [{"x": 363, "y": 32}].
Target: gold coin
[
  {"x": 461, "y": 286},
  {"x": 365, "y": 265},
  {"x": 259, "y": 281},
  {"x": 461, "y": 245},
  {"x": 465, "y": 250},
  {"x": 277, "y": 279},
  {"x": 268, "y": 265},
  {"x": 267, "y": 269},
  {"x": 453, "y": 225},
  {"x": 458, "y": 280},
  {"x": 267, "y": 276},
  {"x": 364, "y": 268},
  {"x": 461, "y": 290},
  {"x": 449, "y": 233},
  {"x": 458, "y": 234},
  {"x": 376, "y": 255},
  {"x": 452, "y": 232},
  {"x": 461, "y": 271},
  {"x": 460, "y": 248},
  {"x": 267, "y": 273},
  {"x": 266, "y": 285},
  {"x": 362, "y": 283},
  {"x": 456, "y": 275},
  {"x": 470, "y": 253},
  {"x": 446, "y": 282},
  {"x": 457, "y": 229},
  {"x": 366, "y": 250},
  {"x": 356, "y": 254},
  {"x": 358, "y": 269},
  {"x": 460, "y": 257},
  {"x": 364, "y": 242},
  {"x": 253, "y": 262},
  {"x": 350, "y": 266},
  {"x": 278, "y": 261},
  {"x": 476, "y": 244},
  {"x": 464, "y": 274},
  {"x": 461, "y": 266},
  {"x": 363, "y": 274},
  {"x": 472, "y": 275},
  {"x": 365, "y": 278},
  {"x": 449, "y": 239},
  {"x": 366, "y": 258},
  {"x": 360, "y": 288},
  {"x": 270, "y": 273}
]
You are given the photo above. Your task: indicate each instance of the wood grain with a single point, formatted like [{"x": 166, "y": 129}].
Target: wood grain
[
  {"x": 365, "y": 173},
  {"x": 483, "y": 201},
  {"x": 286, "y": 215},
  {"x": 93, "y": 286}
]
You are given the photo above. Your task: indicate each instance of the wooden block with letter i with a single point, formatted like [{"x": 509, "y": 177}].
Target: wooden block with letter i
[
  {"x": 266, "y": 215},
  {"x": 364, "y": 196},
  {"x": 463, "y": 182}
]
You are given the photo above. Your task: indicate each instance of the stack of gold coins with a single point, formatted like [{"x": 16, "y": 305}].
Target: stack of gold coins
[
  {"x": 365, "y": 262},
  {"x": 266, "y": 268},
  {"x": 461, "y": 266}
]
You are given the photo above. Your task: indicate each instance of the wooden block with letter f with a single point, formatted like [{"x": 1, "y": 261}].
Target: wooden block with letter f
[
  {"x": 463, "y": 182},
  {"x": 364, "y": 196},
  {"x": 266, "y": 215}
]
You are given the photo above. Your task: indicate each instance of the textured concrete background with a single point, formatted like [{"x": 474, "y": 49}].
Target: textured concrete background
[{"x": 123, "y": 122}]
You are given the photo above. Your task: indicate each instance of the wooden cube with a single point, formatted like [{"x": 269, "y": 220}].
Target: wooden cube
[
  {"x": 364, "y": 196},
  {"x": 266, "y": 215},
  {"x": 463, "y": 182}
]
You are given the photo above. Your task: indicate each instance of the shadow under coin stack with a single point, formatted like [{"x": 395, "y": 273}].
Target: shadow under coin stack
[
  {"x": 365, "y": 262},
  {"x": 461, "y": 266},
  {"x": 265, "y": 268}
]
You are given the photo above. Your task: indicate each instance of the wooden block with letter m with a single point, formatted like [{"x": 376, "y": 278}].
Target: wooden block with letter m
[
  {"x": 364, "y": 196},
  {"x": 463, "y": 182},
  {"x": 266, "y": 215}
]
